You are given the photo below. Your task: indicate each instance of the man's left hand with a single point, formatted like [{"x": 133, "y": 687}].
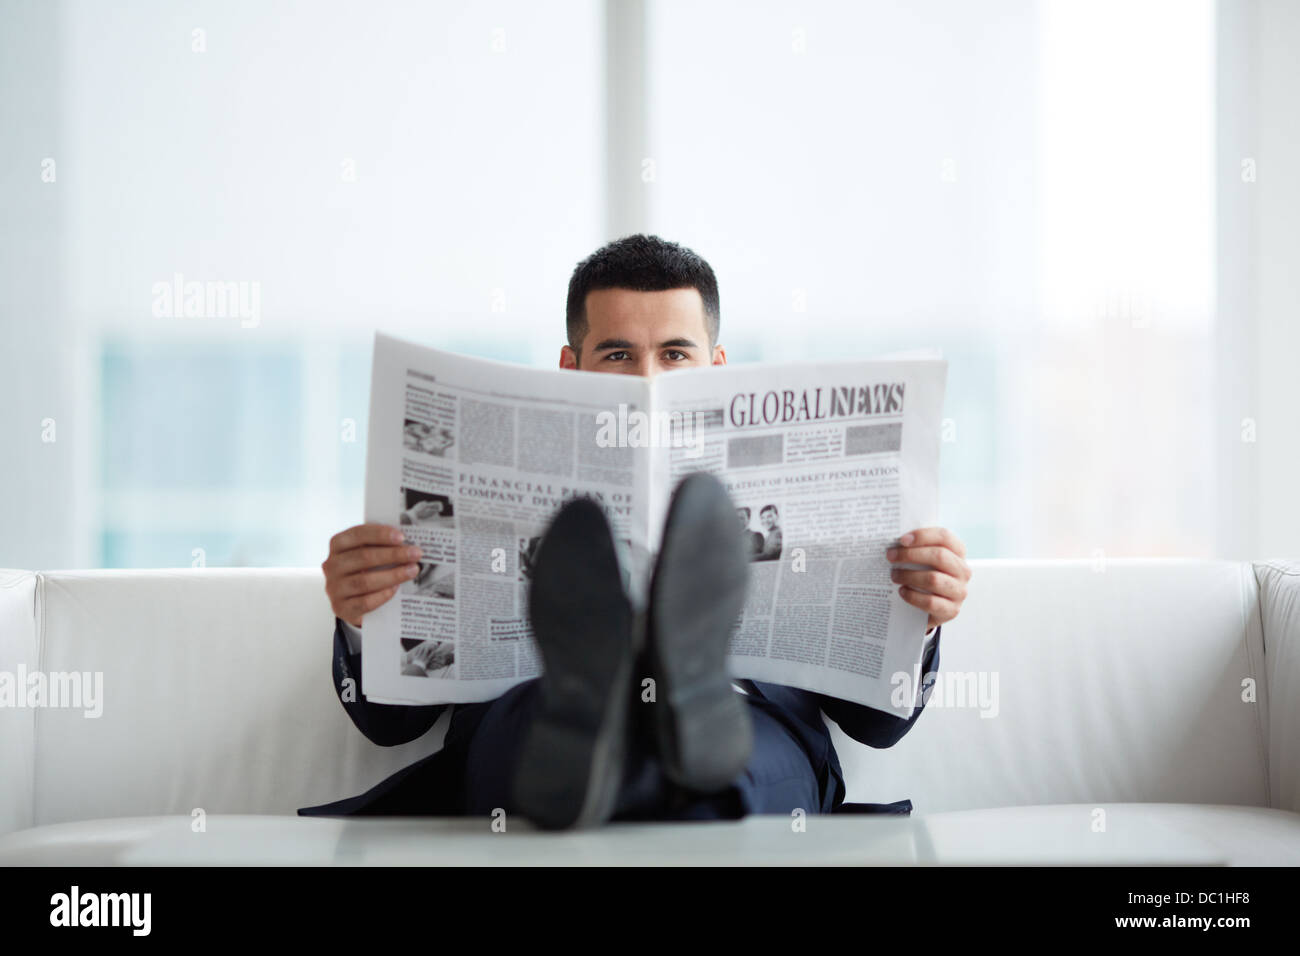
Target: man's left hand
[{"x": 941, "y": 589}]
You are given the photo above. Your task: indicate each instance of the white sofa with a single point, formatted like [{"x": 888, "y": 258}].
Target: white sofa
[{"x": 1123, "y": 682}]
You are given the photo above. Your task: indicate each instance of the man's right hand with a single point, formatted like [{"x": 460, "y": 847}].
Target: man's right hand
[{"x": 367, "y": 564}]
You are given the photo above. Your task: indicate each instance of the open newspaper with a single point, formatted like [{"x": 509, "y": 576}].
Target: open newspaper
[{"x": 827, "y": 463}]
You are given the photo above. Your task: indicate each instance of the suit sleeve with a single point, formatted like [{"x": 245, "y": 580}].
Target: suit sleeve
[
  {"x": 877, "y": 728},
  {"x": 385, "y": 724}
]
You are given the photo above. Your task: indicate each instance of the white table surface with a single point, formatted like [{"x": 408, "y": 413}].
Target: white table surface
[{"x": 1139, "y": 834}]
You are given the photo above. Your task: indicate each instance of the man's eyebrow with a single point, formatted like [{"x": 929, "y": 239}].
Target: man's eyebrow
[{"x": 606, "y": 345}]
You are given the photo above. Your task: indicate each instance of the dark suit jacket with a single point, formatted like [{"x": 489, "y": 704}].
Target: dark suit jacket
[{"x": 434, "y": 785}]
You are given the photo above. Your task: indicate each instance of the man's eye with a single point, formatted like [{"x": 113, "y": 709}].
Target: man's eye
[
  {"x": 675, "y": 355},
  {"x": 616, "y": 356}
]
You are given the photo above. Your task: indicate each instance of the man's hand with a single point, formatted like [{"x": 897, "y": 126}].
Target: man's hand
[
  {"x": 367, "y": 564},
  {"x": 940, "y": 590}
]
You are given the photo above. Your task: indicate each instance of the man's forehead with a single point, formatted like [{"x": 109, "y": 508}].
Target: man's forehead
[
  {"x": 630, "y": 313},
  {"x": 630, "y": 319}
]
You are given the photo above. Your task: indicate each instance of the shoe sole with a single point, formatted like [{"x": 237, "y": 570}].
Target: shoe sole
[
  {"x": 571, "y": 758},
  {"x": 704, "y": 730}
]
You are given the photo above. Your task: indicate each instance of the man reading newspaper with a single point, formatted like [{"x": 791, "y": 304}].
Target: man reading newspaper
[{"x": 582, "y": 743}]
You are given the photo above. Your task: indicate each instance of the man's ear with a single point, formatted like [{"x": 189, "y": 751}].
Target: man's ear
[
  {"x": 568, "y": 358},
  {"x": 719, "y": 355}
]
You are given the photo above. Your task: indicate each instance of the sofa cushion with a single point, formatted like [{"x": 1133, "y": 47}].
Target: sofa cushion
[
  {"x": 217, "y": 696},
  {"x": 1117, "y": 681}
]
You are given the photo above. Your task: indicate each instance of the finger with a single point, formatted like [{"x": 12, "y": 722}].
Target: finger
[
  {"x": 364, "y": 534},
  {"x": 934, "y": 536},
  {"x": 941, "y": 559},
  {"x": 939, "y": 608},
  {"x": 936, "y": 582},
  {"x": 368, "y": 582},
  {"x": 369, "y": 559},
  {"x": 357, "y": 608}
]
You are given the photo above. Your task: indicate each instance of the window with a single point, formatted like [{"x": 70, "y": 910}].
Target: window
[{"x": 1027, "y": 186}]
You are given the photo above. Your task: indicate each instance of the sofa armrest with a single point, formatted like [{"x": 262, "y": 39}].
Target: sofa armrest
[
  {"x": 1279, "y": 610},
  {"x": 19, "y": 655}
]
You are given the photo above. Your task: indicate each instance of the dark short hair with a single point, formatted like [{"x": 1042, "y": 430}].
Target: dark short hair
[
  {"x": 771, "y": 508},
  {"x": 643, "y": 264}
]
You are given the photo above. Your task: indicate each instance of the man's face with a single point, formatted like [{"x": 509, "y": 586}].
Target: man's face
[
  {"x": 644, "y": 333},
  {"x": 768, "y": 519}
]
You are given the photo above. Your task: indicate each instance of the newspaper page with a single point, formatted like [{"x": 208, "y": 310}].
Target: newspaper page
[
  {"x": 827, "y": 463},
  {"x": 471, "y": 459}
]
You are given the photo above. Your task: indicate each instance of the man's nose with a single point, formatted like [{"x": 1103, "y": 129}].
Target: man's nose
[{"x": 646, "y": 366}]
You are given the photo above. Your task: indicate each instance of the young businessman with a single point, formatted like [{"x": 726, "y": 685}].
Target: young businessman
[{"x": 579, "y": 745}]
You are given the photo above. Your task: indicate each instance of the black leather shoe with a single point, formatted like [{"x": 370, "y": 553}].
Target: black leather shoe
[
  {"x": 571, "y": 758},
  {"x": 703, "y": 728}
]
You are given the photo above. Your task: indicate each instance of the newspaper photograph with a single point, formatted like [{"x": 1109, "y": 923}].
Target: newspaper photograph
[{"x": 826, "y": 462}]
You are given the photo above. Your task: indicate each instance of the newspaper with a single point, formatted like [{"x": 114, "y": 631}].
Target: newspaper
[{"x": 827, "y": 463}]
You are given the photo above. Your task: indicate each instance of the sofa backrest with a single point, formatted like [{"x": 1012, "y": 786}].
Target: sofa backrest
[
  {"x": 1117, "y": 683},
  {"x": 217, "y": 695}
]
